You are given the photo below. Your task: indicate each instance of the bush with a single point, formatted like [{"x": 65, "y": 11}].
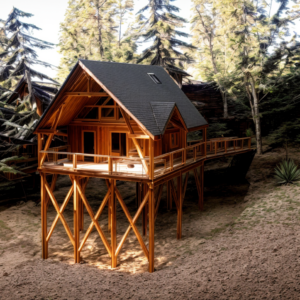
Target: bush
[{"x": 287, "y": 172}]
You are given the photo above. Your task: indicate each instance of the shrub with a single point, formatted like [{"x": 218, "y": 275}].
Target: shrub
[{"x": 287, "y": 172}]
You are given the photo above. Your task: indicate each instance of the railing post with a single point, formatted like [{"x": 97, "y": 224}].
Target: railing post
[
  {"x": 242, "y": 144},
  {"x": 171, "y": 161},
  {"x": 195, "y": 153},
  {"x": 110, "y": 166},
  {"x": 74, "y": 161},
  {"x": 225, "y": 145},
  {"x": 215, "y": 147},
  {"x": 249, "y": 142},
  {"x": 184, "y": 156}
]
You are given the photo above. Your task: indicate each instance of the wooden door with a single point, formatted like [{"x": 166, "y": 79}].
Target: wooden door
[
  {"x": 89, "y": 145},
  {"x": 118, "y": 144}
]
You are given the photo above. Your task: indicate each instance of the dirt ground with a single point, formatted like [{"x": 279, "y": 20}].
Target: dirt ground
[{"x": 244, "y": 245}]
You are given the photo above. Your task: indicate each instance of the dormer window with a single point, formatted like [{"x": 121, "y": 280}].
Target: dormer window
[{"x": 154, "y": 78}]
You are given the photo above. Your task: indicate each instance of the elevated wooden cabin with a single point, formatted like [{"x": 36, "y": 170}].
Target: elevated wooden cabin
[{"x": 123, "y": 122}]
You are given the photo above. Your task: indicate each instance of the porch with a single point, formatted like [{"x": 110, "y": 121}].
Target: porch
[{"x": 106, "y": 166}]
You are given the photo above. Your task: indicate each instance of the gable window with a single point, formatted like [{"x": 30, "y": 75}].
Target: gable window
[
  {"x": 174, "y": 140},
  {"x": 154, "y": 78}
]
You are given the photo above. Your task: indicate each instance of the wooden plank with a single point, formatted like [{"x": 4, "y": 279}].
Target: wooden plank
[
  {"x": 76, "y": 221},
  {"x": 185, "y": 185},
  {"x": 151, "y": 159},
  {"x": 151, "y": 229},
  {"x": 113, "y": 230},
  {"x": 180, "y": 202},
  {"x": 138, "y": 136},
  {"x": 44, "y": 216},
  {"x": 54, "y": 179}
]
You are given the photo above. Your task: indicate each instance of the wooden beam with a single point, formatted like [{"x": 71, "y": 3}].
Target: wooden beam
[
  {"x": 138, "y": 136},
  {"x": 51, "y": 131},
  {"x": 136, "y": 144},
  {"x": 84, "y": 94},
  {"x": 76, "y": 221},
  {"x": 151, "y": 202},
  {"x": 113, "y": 230},
  {"x": 44, "y": 216},
  {"x": 179, "y": 212}
]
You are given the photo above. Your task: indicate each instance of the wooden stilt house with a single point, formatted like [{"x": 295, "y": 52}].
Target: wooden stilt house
[{"x": 129, "y": 123}]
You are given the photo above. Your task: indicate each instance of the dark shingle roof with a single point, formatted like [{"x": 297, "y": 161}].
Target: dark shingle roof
[{"x": 132, "y": 85}]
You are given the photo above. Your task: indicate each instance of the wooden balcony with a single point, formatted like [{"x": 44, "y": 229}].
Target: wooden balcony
[{"x": 140, "y": 169}]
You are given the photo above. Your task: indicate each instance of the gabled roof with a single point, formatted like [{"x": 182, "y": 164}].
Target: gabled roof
[
  {"x": 162, "y": 112},
  {"x": 132, "y": 85},
  {"x": 146, "y": 101}
]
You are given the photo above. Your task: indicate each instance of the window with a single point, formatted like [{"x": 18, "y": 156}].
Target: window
[
  {"x": 154, "y": 78},
  {"x": 174, "y": 140}
]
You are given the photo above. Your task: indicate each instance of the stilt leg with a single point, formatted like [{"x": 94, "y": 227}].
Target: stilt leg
[
  {"x": 113, "y": 225},
  {"x": 44, "y": 217},
  {"x": 76, "y": 221},
  {"x": 179, "y": 212},
  {"x": 145, "y": 211},
  {"x": 151, "y": 202},
  {"x": 80, "y": 207}
]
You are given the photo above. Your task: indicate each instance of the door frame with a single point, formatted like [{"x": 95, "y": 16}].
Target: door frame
[
  {"x": 110, "y": 142},
  {"x": 95, "y": 142}
]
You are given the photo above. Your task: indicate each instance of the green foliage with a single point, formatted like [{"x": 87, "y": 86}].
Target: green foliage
[
  {"x": 249, "y": 132},
  {"x": 161, "y": 27},
  {"x": 5, "y": 168},
  {"x": 287, "y": 172},
  {"x": 95, "y": 30},
  {"x": 215, "y": 130}
]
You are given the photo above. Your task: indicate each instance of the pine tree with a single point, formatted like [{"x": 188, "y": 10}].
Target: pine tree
[
  {"x": 259, "y": 52},
  {"x": 161, "y": 26},
  {"x": 19, "y": 54},
  {"x": 90, "y": 31},
  {"x": 211, "y": 39},
  {"x": 16, "y": 59}
]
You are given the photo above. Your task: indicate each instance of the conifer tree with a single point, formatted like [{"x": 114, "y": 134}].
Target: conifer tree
[
  {"x": 17, "y": 58},
  {"x": 161, "y": 25},
  {"x": 259, "y": 51},
  {"x": 94, "y": 30}
]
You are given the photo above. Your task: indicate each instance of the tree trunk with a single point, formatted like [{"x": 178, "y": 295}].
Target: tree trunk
[
  {"x": 256, "y": 119},
  {"x": 100, "y": 34},
  {"x": 225, "y": 105}
]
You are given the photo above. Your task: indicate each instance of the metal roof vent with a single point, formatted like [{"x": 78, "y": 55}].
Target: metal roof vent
[{"x": 154, "y": 78}]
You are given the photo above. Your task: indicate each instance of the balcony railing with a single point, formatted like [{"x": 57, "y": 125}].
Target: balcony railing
[{"x": 139, "y": 167}]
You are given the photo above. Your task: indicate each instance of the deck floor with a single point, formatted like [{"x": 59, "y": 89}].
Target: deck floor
[{"x": 135, "y": 169}]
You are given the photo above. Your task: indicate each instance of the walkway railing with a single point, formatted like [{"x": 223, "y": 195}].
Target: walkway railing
[{"x": 162, "y": 164}]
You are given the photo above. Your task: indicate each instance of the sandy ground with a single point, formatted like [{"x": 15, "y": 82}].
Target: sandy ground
[{"x": 245, "y": 245}]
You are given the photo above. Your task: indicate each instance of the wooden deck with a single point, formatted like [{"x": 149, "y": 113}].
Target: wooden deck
[{"x": 125, "y": 168}]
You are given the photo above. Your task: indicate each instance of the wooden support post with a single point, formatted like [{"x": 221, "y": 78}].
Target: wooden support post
[
  {"x": 145, "y": 210},
  {"x": 151, "y": 229},
  {"x": 179, "y": 211},
  {"x": 113, "y": 224},
  {"x": 151, "y": 159},
  {"x": 40, "y": 148},
  {"x": 80, "y": 207},
  {"x": 76, "y": 221},
  {"x": 44, "y": 217}
]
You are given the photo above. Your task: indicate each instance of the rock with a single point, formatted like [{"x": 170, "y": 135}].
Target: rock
[{"x": 5, "y": 274}]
